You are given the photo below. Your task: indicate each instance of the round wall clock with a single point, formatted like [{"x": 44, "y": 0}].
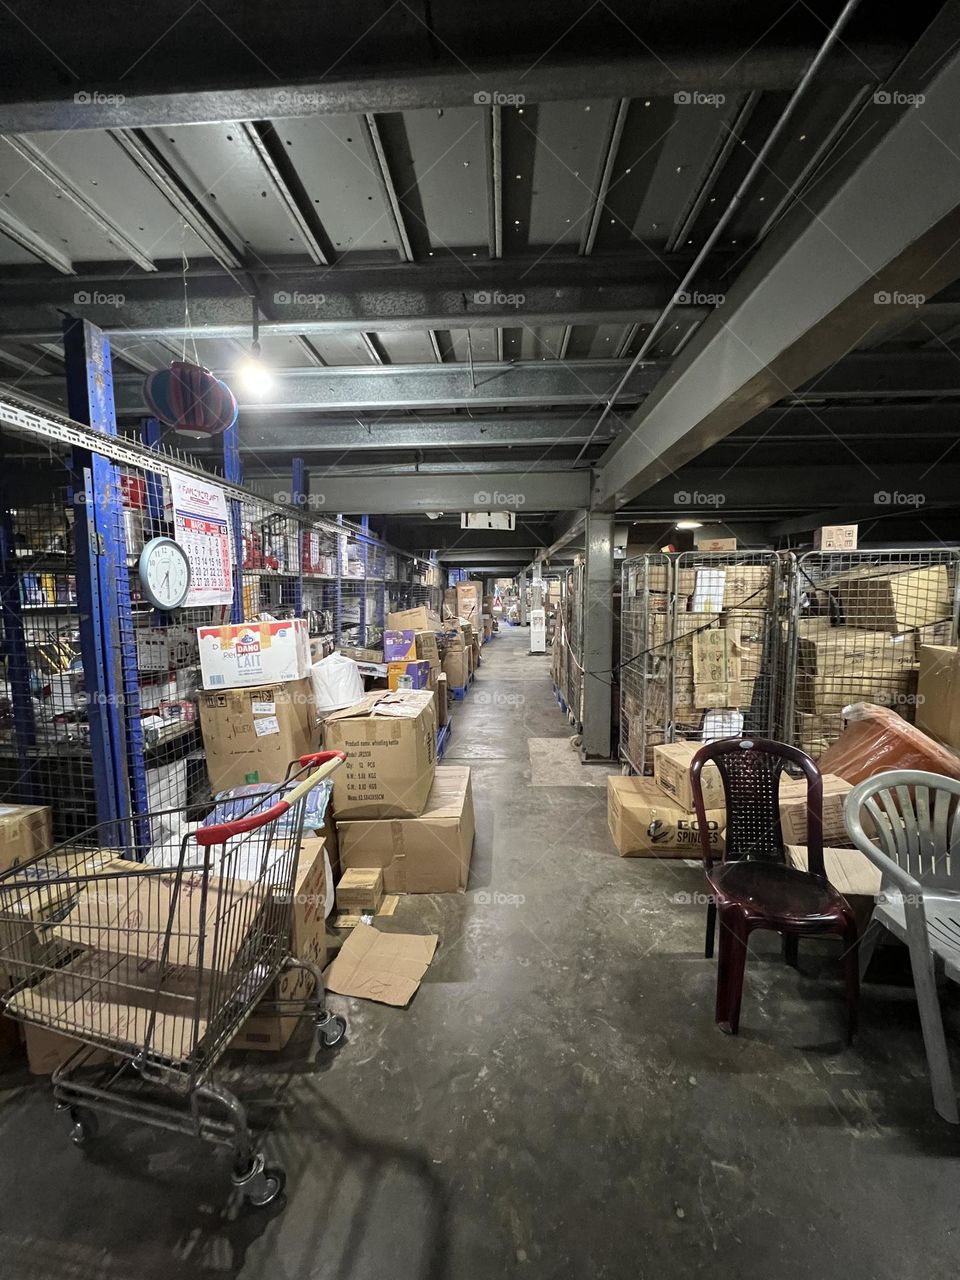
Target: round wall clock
[{"x": 164, "y": 573}]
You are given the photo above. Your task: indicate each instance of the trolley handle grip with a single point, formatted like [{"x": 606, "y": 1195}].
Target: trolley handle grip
[{"x": 222, "y": 831}]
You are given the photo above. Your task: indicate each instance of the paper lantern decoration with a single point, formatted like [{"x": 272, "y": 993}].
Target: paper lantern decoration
[{"x": 190, "y": 399}]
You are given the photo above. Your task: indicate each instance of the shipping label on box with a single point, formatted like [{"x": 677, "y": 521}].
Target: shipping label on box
[
  {"x": 253, "y": 653},
  {"x": 391, "y": 744}
]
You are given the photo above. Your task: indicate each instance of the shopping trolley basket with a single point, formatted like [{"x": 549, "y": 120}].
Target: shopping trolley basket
[{"x": 154, "y": 965}]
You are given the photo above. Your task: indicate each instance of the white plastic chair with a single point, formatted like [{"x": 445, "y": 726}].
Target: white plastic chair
[{"x": 916, "y": 819}]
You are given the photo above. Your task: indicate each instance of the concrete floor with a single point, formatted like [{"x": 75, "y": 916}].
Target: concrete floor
[{"x": 556, "y": 1101}]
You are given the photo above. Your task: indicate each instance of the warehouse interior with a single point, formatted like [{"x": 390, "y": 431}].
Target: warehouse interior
[{"x": 477, "y": 511}]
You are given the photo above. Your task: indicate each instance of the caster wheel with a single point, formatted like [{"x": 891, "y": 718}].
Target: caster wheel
[
  {"x": 82, "y": 1126},
  {"x": 271, "y": 1187},
  {"x": 332, "y": 1031},
  {"x": 625, "y": 771},
  {"x": 576, "y": 742},
  {"x": 570, "y": 718}
]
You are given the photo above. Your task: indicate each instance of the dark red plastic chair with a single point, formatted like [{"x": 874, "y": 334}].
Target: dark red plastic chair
[{"x": 752, "y": 887}]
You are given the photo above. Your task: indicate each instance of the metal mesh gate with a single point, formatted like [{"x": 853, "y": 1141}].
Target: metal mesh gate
[
  {"x": 855, "y": 631},
  {"x": 644, "y": 661}
]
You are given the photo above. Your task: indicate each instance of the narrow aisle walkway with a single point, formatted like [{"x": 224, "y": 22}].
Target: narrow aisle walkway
[{"x": 555, "y": 1103}]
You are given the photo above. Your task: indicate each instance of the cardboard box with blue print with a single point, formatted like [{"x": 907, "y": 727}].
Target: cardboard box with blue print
[
  {"x": 254, "y": 653},
  {"x": 399, "y": 646}
]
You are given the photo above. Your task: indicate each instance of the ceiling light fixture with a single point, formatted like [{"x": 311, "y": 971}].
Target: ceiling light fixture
[
  {"x": 255, "y": 378},
  {"x": 689, "y": 524}
]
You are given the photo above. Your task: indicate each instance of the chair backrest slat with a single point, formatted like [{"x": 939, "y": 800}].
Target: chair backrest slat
[{"x": 914, "y": 818}]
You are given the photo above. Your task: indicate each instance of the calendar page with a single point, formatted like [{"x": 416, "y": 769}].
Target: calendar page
[{"x": 200, "y": 528}]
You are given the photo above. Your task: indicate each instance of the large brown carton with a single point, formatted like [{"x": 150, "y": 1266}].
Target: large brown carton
[
  {"x": 470, "y": 603},
  {"x": 671, "y": 771},
  {"x": 793, "y": 810},
  {"x": 270, "y": 1028},
  {"x": 391, "y": 744},
  {"x": 716, "y": 669},
  {"x": 25, "y": 831},
  {"x": 456, "y": 667},
  {"x": 256, "y": 731},
  {"x": 419, "y": 619},
  {"x": 645, "y": 823},
  {"x": 429, "y": 854},
  {"x": 896, "y": 602},
  {"x": 938, "y": 693}
]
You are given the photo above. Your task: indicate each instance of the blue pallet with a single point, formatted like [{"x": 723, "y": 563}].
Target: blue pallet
[
  {"x": 443, "y": 735},
  {"x": 456, "y": 693}
]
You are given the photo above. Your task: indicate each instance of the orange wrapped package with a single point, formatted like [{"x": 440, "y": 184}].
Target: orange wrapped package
[{"x": 877, "y": 739}]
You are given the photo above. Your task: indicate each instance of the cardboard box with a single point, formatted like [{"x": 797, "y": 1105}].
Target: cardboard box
[
  {"x": 850, "y": 872},
  {"x": 254, "y": 653},
  {"x": 456, "y": 667},
  {"x": 716, "y": 669},
  {"x": 938, "y": 693},
  {"x": 427, "y": 648},
  {"x": 420, "y": 619},
  {"x": 391, "y": 745},
  {"x": 386, "y": 967},
  {"x": 25, "y": 831},
  {"x": 449, "y": 606},
  {"x": 835, "y": 537},
  {"x": 671, "y": 771},
  {"x": 443, "y": 703},
  {"x": 470, "y": 603},
  {"x": 256, "y": 732},
  {"x": 715, "y": 544},
  {"x": 399, "y": 646},
  {"x": 645, "y": 823},
  {"x": 746, "y": 586},
  {"x": 419, "y": 673},
  {"x": 429, "y": 854},
  {"x": 816, "y": 733},
  {"x": 896, "y": 602},
  {"x": 47, "y": 1050},
  {"x": 359, "y": 654},
  {"x": 269, "y": 1028},
  {"x": 793, "y": 810},
  {"x": 361, "y": 889}
]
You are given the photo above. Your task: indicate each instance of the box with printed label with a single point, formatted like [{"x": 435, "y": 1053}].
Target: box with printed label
[
  {"x": 254, "y": 653},
  {"x": 671, "y": 771},
  {"x": 469, "y": 602},
  {"x": 390, "y": 740},
  {"x": 428, "y": 854},
  {"x": 419, "y": 673},
  {"x": 399, "y": 646},
  {"x": 256, "y": 731},
  {"x": 793, "y": 810},
  {"x": 645, "y": 823}
]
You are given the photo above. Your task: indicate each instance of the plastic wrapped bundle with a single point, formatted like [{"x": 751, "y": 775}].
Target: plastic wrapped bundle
[{"x": 877, "y": 739}]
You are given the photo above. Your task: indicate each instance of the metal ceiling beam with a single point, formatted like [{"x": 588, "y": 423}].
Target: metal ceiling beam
[
  {"x": 619, "y": 118},
  {"x": 40, "y": 162},
  {"x": 808, "y": 295},
  {"x": 551, "y": 79},
  {"x": 28, "y": 239},
  {"x": 542, "y": 382},
  {"x": 380, "y": 168},
  {"x": 459, "y": 491},
  {"x": 273, "y": 438},
  {"x": 261, "y": 138},
  {"x": 437, "y": 295},
  {"x": 151, "y": 164},
  {"x": 493, "y": 127}
]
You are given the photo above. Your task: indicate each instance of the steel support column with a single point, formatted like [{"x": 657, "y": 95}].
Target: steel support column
[
  {"x": 598, "y": 580},
  {"x": 233, "y": 471}
]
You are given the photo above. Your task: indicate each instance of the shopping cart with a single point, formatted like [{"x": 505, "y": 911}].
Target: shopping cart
[{"x": 154, "y": 965}]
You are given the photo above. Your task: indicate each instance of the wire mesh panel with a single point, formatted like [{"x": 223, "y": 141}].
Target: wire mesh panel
[
  {"x": 858, "y": 621},
  {"x": 644, "y": 657},
  {"x": 725, "y": 644}
]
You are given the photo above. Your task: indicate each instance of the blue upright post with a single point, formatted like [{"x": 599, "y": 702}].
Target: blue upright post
[
  {"x": 233, "y": 470},
  {"x": 107, "y": 641},
  {"x": 298, "y": 496}
]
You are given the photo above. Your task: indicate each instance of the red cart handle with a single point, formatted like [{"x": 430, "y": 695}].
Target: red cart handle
[{"x": 329, "y": 761}]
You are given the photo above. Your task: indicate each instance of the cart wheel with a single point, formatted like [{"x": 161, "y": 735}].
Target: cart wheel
[
  {"x": 83, "y": 1126},
  {"x": 271, "y": 1187},
  {"x": 625, "y": 770},
  {"x": 570, "y": 718},
  {"x": 331, "y": 1029},
  {"x": 576, "y": 742}
]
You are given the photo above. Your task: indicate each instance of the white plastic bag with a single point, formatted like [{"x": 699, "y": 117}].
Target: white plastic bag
[{"x": 337, "y": 683}]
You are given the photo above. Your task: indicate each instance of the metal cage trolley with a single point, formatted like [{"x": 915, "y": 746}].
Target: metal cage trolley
[{"x": 155, "y": 965}]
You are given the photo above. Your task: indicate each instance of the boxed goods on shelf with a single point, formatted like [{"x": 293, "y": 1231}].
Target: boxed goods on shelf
[
  {"x": 239, "y": 655},
  {"x": 427, "y": 854},
  {"x": 419, "y": 619},
  {"x": 399, "y": 646},
  {"x": 256, "y": 731},
  {"x": 646, "y": 823},
  {"x": 746, "y": 586},
  {"x": 895, "y": 602},
  {"x": 391, "y": 745},
  {"x": 716, "y": 669},
  {"x": 938, "y": 693}
]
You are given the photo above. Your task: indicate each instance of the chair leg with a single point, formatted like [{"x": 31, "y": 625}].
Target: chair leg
[
  {"x": 868, "y": 944},
  {"x": 938, "y": 1059},
  {"x": 851, "y": 966},
  {"x": 711, "y": 930},
  {"x": 791, "y": 949},
  {"x": 734, "y": 935}
]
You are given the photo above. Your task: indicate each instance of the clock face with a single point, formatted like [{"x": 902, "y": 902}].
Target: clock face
[{"x": 164, "y": 573}]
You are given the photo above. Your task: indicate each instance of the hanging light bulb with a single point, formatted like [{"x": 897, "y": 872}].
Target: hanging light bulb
[{"x": 255, "y": 378}]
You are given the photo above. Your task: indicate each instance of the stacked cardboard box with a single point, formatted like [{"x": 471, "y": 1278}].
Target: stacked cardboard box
[{"x": 252, "y": 735}]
